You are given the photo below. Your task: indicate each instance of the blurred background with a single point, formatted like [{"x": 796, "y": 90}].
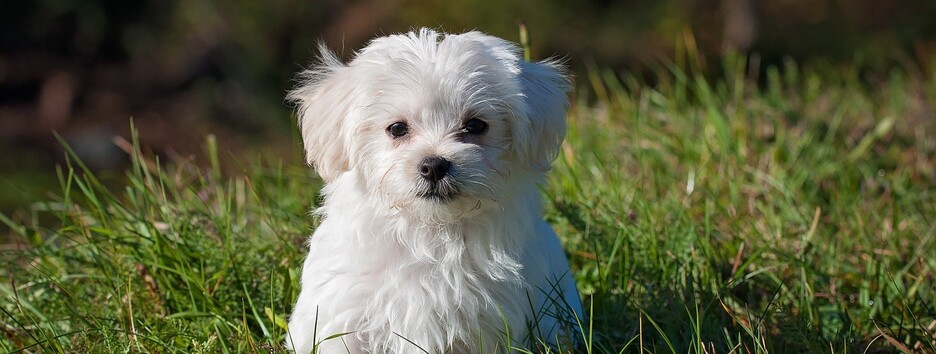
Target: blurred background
[{"x": 186, "y": 69}]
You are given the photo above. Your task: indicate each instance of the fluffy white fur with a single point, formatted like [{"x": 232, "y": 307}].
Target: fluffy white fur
[{"x": 462, "y": 265}]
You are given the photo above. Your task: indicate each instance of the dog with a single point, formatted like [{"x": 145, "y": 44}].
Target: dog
[{"x": 432, "y": 147}]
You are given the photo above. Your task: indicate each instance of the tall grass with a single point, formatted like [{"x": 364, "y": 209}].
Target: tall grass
[
  {"x": 793, "y": 216},
  {"x": 790, "y": 213},
  {"x": 180, "y": 260}
]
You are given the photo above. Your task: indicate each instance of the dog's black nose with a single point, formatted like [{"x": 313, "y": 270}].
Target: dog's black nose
[{"x": 434, "y": 168}]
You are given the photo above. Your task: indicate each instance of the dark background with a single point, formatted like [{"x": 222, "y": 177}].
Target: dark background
[{"x": 186, "y": 69}]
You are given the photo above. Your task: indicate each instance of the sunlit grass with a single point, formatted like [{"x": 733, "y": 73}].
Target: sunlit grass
[
  {"x": 700, "y": 215},
  {"x": 792, "y": 217}
]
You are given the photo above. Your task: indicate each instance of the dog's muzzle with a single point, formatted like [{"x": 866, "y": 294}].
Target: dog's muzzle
[{"x": 434, "y": 170}]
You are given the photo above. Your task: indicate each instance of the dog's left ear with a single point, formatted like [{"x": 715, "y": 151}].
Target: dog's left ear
[
  {"x": 324, "y": 99},
  {"x": 538, "y": 136}
]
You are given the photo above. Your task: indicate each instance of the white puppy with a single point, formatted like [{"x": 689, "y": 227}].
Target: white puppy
[{"x": 432, "y": 237}]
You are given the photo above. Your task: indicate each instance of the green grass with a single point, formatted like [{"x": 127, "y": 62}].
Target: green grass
[{"x": 700, "y": 215}]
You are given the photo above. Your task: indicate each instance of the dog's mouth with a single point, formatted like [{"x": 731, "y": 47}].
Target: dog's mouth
[
  {"x": 439, "y": 196},
  {"x": 442, "y": 191}
]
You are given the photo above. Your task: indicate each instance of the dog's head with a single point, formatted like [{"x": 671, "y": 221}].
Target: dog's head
[{"x": 432, "y": 123}]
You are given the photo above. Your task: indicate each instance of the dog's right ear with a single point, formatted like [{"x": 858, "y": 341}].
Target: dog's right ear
[{"x": 324, "y": 99}]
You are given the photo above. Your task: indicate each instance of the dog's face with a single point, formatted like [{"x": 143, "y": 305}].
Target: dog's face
[{"x": 436, "y": 126}]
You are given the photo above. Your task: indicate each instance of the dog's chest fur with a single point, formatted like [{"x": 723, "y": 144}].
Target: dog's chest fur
[
  {"x": 448, "y": 301},
  {"x": 445, "y": 289}
]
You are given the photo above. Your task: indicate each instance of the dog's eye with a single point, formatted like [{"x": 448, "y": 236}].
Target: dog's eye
[
  {"x": 475, "y": 126},
  {"x": 398, "y": 129}
]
